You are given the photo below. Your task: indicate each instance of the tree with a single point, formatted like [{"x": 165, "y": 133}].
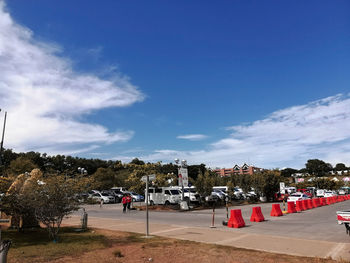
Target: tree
[
  {"x": 137, "y": 161},
  {"x": 287, "y": 172},
  {"x": 53, "y": 199},
  {"x": 104, "y": 178},
  {"x": 266, "y": 183},
  {"x": 133, "y": 182},
  {"x": 245, "y": 182},
  {"x": 204, "y": 183},
  {"x": 340, "y": 167},
  {"x": 317, "y": 167},
  {"x": 21, "y": 165}
]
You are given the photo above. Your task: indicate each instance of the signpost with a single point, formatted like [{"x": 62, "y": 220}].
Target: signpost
[
  {"x": 184, "y": 176},
  {"x": 146, "y": 179},
  {"x": 282, "y": 188}
]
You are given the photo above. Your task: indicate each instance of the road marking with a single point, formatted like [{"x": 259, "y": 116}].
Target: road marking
[
  {"x": 335, "y": 250},
  {"x": 232, "y": 239},
  {"x": 169, "y": 230}
]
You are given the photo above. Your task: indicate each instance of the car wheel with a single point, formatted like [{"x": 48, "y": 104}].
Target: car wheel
[
  {"x": 167, "y": 202},
  {"x": 151, "y": 202},
  {"x": 134, "y": 200}
]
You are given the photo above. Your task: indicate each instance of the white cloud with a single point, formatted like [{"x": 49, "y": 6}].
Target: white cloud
[
  {"x": 192, "y": 137},
  {"x": 45, "y": 98},
  {"x": 286, "y": 138}
]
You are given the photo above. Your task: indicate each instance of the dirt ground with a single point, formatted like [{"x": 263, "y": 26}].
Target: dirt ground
[{"x": 129, "y": 247}]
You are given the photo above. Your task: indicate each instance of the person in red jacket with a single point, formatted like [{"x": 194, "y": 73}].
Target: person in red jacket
[
  {"x": 128, "y": 200},
  {"x": 125, "y": 203}
]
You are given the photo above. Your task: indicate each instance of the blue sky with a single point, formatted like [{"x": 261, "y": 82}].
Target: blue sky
[{"x": 214, "y": 82}]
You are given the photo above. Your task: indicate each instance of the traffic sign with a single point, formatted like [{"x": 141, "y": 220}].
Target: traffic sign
[{"x": 151, "y": 178}]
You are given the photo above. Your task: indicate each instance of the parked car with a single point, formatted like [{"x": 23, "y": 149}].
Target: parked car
[
  {"x": 341, "y": 192},
  {"x": 212, "y": 198},
  {"x": 135, "y": 196},
  {"x": 329, "y": 194},
  {"x": 305, "y": 191},
  {"x": 106, "y": 198},
  {"x": 191, "y": 194},
  {"x": 117, "y": 199},
  {"x": 219, "y": 193},
  {"x": 297, "y": 197},
  {"x": 320, "y": 192},
  {"x": 117, "y": 192}
]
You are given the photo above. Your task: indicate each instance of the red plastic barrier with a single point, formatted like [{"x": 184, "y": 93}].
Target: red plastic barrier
[
  {"x": 236, "y": 219},
  {"x": 304, "y": 202},
  {"x": 322, "y": 201},
  {"x": 315, "y": 202},
  {"x": 291, "y": 208},
  {"x": 276, "y": 210},
  {"x": 309, "y": 204},
  {"x": 299, "y": 206},
  {"x": 328, "y": 200},
  {"x": 257, "y": 215}
]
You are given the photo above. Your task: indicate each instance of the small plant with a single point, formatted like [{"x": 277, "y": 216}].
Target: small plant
[{"x": 118, "y": 254}]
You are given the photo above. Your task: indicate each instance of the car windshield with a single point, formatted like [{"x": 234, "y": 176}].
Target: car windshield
[
  {"x": 174, "y": 192},
  {"x": 295, "y": 195},
  {"x": 104, "y": 194}
]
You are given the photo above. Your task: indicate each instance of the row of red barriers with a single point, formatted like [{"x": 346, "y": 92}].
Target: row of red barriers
[{"x": 236, "y": 220}]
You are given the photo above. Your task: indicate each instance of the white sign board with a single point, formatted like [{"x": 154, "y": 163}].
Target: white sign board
[
  {"x": 183, "y": 177},
  {"x": 282, "y": 188},
  {"x": 151, "y": 178}
]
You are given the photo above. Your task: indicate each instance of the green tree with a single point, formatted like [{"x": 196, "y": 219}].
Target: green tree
[
  {"x": 137, "y": 161},
  {"x": 340, "y": 167},
  {"x": 317, "y": 167},
  {"x": 204, "y": 183},
  {"x": 104, "y": 178},
  {"x": 287, "y": 172},
  {"x": 52, "y": 200},
  {"x": 266, "y": 183},
  {"x": 245, "y": 182},
  {"x": 21, "y": 165}
]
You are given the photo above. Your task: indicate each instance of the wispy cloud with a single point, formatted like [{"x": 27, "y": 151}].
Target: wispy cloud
[
  {"x": 288, "y": 137},
  {"x": 192, "y": 137},
  {"x": 46, "y": 98}
]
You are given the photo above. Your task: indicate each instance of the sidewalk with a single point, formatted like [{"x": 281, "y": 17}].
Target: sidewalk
[{"x": 227, "y": 237}]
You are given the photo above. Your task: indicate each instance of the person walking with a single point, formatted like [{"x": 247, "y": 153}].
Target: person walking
[
  {"x": 125, "y": 203},
  {"x": 128, "y": 201}
]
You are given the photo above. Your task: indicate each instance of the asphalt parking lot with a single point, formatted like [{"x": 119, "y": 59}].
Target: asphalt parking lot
[
  {"x": 315, "y": 224},
  {"x": 312, "y": 233}
]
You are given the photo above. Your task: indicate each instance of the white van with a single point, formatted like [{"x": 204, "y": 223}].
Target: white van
[{"x": 163, "y": 196}]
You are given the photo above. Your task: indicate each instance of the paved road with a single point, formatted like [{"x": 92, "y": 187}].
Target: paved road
[
  {"x": 313, "y": 233},
  {"x": 314, "y": 224}
]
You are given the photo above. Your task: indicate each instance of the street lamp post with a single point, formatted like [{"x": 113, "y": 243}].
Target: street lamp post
[
  {"x": 182, "y": 175},
  {"x": 82, "y": 170},
  {"x": 2, "y": 138}
]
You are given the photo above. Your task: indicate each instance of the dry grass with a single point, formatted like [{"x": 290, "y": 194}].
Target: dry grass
[{"x": 105, "y": 246}]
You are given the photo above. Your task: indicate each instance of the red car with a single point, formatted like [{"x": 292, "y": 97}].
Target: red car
[{"x": 305, "y": 191}]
